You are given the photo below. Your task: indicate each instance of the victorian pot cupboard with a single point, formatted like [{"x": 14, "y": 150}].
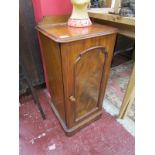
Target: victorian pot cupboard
[{"x": 77, "y": 64}]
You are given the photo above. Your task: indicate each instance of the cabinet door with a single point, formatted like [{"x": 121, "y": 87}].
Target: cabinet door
[
  {"x": 85, "y": 66},
  {"x": 88, "y": 75}
]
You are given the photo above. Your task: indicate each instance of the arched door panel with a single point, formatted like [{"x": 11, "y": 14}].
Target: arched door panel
[{"x": 88, "y": 72}]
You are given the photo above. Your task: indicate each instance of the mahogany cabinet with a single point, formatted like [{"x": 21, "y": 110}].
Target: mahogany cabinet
[{"x": 77, "y": 63}]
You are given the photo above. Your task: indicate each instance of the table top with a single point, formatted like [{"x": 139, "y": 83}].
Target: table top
[
  {"x": 63, "y": 33},
  {"x": 102, "y": 13}
]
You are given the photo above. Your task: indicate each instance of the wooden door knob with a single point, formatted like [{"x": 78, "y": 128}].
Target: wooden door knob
[{"x": 72, "y": 98}]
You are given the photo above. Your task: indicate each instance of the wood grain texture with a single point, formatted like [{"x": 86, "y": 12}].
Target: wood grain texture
[
  {"x": 54, "y": 19},
  {"x": 111, "y": 17},
  {"x": 77, "y": 69},
  {"x": 62, "y": 33},
  {"x": 87, "y": 74},
  {"x": 126, "y": 30},
  {"x": 70, "y": 53},
  {"x": 54, "y": 73}
]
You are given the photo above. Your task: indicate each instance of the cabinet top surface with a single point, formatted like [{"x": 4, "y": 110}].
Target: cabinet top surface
[{"x": 63, "y": 33}]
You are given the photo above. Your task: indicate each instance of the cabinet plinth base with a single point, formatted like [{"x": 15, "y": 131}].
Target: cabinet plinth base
[{"x": 76, "y": 128}]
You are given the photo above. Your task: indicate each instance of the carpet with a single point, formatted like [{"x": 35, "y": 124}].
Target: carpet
[
  {"x": 37, "y": 137},
  {"x": 117, "y": 85}
]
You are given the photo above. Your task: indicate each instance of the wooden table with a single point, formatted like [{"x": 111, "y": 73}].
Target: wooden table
[{"x": 126, "y": 27}]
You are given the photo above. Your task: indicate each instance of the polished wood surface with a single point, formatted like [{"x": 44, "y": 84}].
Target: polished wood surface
[
  {"x": 63, "y": 33},
  {"x": 70, "y": 55},
  {"x": 88, "y": 74},
  {"x": 54, "y": 19},
  {"x": 77, "y": 69},
  {"x": 54, "y": 73}
]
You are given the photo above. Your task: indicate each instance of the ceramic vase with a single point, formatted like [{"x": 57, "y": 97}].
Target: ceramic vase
[{"x": 79, "y": 17}]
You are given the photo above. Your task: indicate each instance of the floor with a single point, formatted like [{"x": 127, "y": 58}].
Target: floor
[
  {"x": 37, "y": 137},
  {"x": 106, "y": 136},
  {"x": 117, "y": 85}
]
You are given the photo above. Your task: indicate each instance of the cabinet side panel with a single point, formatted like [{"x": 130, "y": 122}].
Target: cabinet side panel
[{"x": 51, "y": 52}]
